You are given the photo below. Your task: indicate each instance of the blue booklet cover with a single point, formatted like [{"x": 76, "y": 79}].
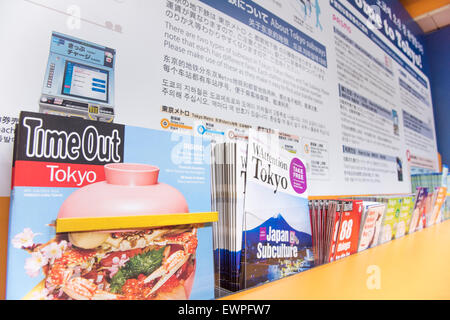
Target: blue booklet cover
[
  {"x": 56, "y": 157},
  {"x": 277, "y": 228}
]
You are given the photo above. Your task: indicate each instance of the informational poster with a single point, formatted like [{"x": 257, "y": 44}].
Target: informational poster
[
  {"x": 387, "y": 126},
  {"x": 344, "y": 76}
]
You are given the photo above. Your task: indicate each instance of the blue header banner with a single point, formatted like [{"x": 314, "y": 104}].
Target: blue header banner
[{"x": 262, "y": 20}]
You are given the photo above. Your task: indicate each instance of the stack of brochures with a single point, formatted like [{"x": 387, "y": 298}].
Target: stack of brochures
[
  {"x": 335, "y": 228},
  {"x": 260, "y": 192},
  {"x": 341, "y": 227},
  {"x": 268, "y": 229}
]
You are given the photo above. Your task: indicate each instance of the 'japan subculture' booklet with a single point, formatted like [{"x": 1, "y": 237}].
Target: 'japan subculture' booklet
[
  {"x": 229, "y": 177},
  {"x": 73, "y": 170},
  {"x": 277, "y": 229}
]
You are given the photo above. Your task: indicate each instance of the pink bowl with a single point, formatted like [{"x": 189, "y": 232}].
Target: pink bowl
[{"x": 129, "y": 190}]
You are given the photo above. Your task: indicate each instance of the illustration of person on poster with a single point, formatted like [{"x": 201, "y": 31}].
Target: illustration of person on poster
[
  {"x": 318, "y": 25},
  {"x": 307, "y": 8}
]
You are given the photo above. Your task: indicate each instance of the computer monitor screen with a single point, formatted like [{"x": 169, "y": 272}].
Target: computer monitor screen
[{"x": 84, "y": 81}]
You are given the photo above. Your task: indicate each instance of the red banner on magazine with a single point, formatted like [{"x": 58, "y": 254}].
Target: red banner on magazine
[{"x": 53, "y": 174}]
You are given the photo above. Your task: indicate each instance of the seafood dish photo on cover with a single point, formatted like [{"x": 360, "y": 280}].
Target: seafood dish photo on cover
[
  {"x": 91, "y": 217},
  {"x": 136, "y": 265}
]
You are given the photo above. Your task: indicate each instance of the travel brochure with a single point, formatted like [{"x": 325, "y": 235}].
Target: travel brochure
[
  {"x": 260, "y": 189},
  {"x": 371, "y": 221},
  {"x": 380, "y": 220},
  {"x": 69, "y": 170},
  {"x": 277, "y": 230},
  {"x": 336, "y": 228}
]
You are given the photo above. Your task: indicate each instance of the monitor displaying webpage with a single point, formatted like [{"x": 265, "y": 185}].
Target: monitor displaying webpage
[{"x": 85, "y": 82}]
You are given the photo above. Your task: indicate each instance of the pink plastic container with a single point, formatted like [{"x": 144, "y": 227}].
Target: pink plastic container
[
  {"x": 129, "y": 190},
  {"x": 95, "y": 264}
]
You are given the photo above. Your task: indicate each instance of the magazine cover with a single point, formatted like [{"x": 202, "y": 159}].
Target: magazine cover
[
  {"x": 277, "y": 228},
  {"x": 69, "y": 172},
  {"x": 371, "y": 225}
]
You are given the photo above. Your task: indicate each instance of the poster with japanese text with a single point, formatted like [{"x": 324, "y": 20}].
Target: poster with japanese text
[{"x": 348, "y": 76}]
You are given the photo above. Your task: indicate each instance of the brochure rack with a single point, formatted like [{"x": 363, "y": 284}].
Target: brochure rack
[{"x": 376, "y": 273}]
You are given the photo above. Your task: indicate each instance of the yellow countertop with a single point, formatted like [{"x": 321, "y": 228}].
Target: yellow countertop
[
  {"x": 4, "y": 220},
  {"x": 416, "y": 266}
]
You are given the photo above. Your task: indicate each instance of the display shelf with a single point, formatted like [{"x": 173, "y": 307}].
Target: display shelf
[{"x": 413, "y": 267}]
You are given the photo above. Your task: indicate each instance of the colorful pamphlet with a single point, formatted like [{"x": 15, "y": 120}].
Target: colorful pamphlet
[
  {"x": 371, "y": 225},
  {"x": 404, "y": 217},
  {"x": 435, "y": 214},
  {"x": 277, "y": 229},
  {"x": 335, "y": 228},
  {"x": 348, "y": 230},
  {"x": 230, "y": 178},
  {"x": 390, "y": 219},
  {"x": 419, "y": 211}
]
